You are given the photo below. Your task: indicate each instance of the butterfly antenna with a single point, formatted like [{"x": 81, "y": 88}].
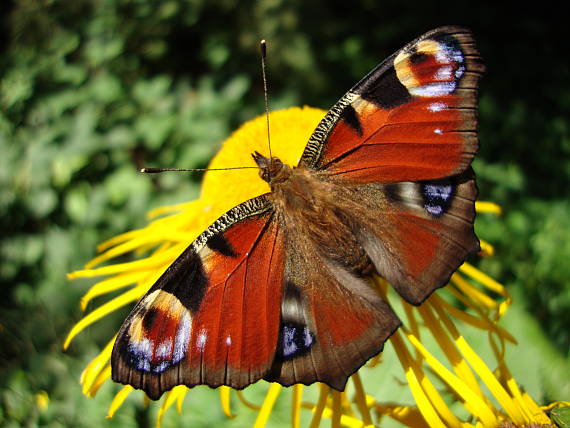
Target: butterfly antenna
[
  {"x": 263, "y": 48},
  {"x": 157, "y": 170}
]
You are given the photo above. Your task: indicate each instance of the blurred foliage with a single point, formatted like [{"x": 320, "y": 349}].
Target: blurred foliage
[{"x": 91, "y": 90}]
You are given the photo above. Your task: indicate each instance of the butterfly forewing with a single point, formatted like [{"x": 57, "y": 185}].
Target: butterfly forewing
[
  {"x": 412, "y": 118},
  {"x": 213, "y": 317}
]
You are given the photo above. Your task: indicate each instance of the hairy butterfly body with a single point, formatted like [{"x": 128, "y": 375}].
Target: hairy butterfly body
[{"x": 279, "y": 287}]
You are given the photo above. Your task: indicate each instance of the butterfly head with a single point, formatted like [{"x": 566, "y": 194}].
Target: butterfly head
[{"x": 271, "y": 169}]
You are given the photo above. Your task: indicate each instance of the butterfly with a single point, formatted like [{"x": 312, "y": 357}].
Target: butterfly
[{"x": 280, "y": 287}]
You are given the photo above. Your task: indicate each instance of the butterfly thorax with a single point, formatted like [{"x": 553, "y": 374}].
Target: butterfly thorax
[
  {"x": 316, "y": 215},
  {"x": 272, "y": 169}
]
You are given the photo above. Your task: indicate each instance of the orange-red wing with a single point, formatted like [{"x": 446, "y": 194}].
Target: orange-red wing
[
  {"x": 332, "y": 321},
  {"x": 418, "y": 233},
  {"x": 213, "y": 317},
  {"x": 412, "y": 118}
]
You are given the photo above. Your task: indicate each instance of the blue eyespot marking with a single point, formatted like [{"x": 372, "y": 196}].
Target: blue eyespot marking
[
  {"x": 296, "y": 340},
  {"x": 437, "y": 197}
]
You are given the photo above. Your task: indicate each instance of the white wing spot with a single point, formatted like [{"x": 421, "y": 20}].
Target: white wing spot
[
  {"x": 201, "y": 340},
  {"x": 437, "y": 106},
  {"x": 164, "y": 349},
  {"x": 182, "y": 338},
  {"x": 434, "y": 89},
  {"x": 444, "y": 73}
]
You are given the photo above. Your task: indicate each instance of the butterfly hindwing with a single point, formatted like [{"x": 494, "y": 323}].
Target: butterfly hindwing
[
  {"x": 332, "y": 321},
  {"x": 411, "y": 118},
  {"x": 213, "y": 317},
  {"x": 418, "y": 233}
]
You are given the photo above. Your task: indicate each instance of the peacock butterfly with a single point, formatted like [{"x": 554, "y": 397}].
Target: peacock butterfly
[{"x": 279, "y": 288}]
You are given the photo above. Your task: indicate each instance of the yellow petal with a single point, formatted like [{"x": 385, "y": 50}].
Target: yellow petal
[
  {"x": 472, "y": 401},
  {"x": 119, "y": 399},
  {"x": 487, "y": 248},
  {"x": 296, "y": 406},
  {"x": 267, "y": 406},
  {"x": 109, "y": 285},
  {"x": 180, "y": 399},
  {"x": 169, "y": 209},
  {"x": 516, "y": 415},
  {"x": 319, "y": 408},
  {"x": 336, "y": 408},
  {"x": 406, "y": 415},
  {"x": 460, "y": 366},
  {"x": 482, "y": 323},
  {"x": 247, "y": 403},
  {"x": 93, "y": 369},
  {"x": 474, "y": 293},
  {"x": 483, "y": 278},
  {"x": 487, "y": 207},
  {"x": 120, "y": 301},
  {"x": 412, "y": 323},
  {"x": 100, "y": 379},
  {"x": 361, "y": 399},
  {"x": 225, "y": 395},
  {"x": 413, "y": 373},
  {"x": 152, "y": 263},
  {"x": 115, "y": 240},
  {"x": 172, "y": 397}
]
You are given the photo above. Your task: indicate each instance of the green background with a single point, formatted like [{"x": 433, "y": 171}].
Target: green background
[{"x": 91, "y": 90}]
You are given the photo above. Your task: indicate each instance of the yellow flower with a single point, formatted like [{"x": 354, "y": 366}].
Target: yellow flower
[
  {"x": 42, "y": 400},
  {"x": 448, "y": 383}
]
